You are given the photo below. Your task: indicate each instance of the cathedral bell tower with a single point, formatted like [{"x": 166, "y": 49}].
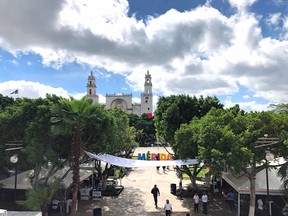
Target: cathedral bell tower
[
  {"x": 91, "y": 88},
  {"x": 146, "y": 96}
]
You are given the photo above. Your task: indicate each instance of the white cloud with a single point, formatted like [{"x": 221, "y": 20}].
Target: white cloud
[
  {"x": 194, "y": 52},
  {"x": 246, "y": 96},
  {"x": 247, "y": 106},
  {"x": 30, "y": 89},
  {"x": 14, "y": 62},
  {"x": 241, "y": 4},
  {"x": 274, "y": 19}
]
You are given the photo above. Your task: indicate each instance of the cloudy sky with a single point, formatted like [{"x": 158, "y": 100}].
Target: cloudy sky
[{"x": 236, "y": 50}]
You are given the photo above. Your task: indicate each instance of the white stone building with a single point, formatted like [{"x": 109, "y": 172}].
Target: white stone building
[{"x": 124, "y": 101}]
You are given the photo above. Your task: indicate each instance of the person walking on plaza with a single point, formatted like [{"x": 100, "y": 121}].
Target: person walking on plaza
[
  {"x": 155, "y": 191},
  {"x": 168, "y": 208},
  {"x": 196, "y": 202},
  {"x": 204, "y": 199}
]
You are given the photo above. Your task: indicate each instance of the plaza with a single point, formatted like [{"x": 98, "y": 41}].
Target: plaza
[{"x": 136, "y": 198}]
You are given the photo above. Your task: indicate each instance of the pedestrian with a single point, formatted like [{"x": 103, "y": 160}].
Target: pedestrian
[
  {"x": 168, "y": 208},
  {"x": 164, "y": 167},
  {"x": 155, "y": 191},
  {"x": 231, "y": 199},
  {"x": 204, "y": 199},
  {"x": 225, "y": 197},
  {"x": 196, "y": 202},
  {"x": 260, "y": 204}
]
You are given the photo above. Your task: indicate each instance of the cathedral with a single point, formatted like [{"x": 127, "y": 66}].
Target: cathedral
[{"x": 124, "y": 101}]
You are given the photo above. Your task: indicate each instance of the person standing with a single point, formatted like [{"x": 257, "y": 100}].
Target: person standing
[
  {"x": 196, "y": 202},
  {"x": 231, "y": 199},
  {"x": 260, "y": 204},
  {"x": 204, "y": 199},
  {"x": 168, "y": 208},
  {"x": 155, "y": 191}
]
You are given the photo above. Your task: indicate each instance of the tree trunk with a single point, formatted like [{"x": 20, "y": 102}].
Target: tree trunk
[
  {"x": 104, "y": 183},
  {"x": 193, "y": 181},
  {"x": 252, "y": 193},
  {"x": 192, "y": 177},
  {"x": 105, "y": 175},
  {"x": 76, "y": 139}
]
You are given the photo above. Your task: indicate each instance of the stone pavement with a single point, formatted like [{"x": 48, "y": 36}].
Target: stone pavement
[{"x": 136, "y": 198}]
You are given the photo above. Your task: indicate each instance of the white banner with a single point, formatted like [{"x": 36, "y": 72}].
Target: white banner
[{"x": 124, "y": 162}]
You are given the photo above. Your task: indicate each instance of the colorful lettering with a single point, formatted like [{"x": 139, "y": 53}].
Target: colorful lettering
[
  {"x": 141, "y": 157},
  {"x": 154, "y": 156}
]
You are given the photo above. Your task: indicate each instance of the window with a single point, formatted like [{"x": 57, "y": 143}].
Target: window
[{"x": 90, "y": 91}]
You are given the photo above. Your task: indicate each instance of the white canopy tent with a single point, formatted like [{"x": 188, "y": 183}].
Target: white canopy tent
[
  {"x": 23, "y": 181},
  {"x": 130, "y": 163},
  {"x": 242, "y": 185}
]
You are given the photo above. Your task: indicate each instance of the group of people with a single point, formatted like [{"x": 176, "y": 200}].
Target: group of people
[
  {"x": 167, "y": 206},
  {"x": 196, "y": 200}
]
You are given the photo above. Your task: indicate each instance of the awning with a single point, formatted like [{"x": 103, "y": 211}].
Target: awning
[
  {"x": 24, "y": 213},
  {"x": 23, "y": 182},
  {"x": 242, "y": 185},
  {"x": 130, "y": 163}
]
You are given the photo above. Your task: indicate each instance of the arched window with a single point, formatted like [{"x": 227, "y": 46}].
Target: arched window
[{"x": 90, "y": 91}]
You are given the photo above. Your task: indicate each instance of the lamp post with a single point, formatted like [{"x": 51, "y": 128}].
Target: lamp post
[
  {"x": 14, "y": 160},
  {"x": 269, "y": 157}
]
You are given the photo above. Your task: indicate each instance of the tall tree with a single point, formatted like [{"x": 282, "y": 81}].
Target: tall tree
[
  {"x": 228, "y": 138},
  {"x": 73, "y": 117},
  {"x": 119, "y": 139},
  {"x": 283, "y": 171},
  {"x": 144, "y": 127},
  {"x": 281, "y": 108},
  {"x": 5, "y": 101},
  {"x": 172, "y": 111},
  {"x": 28, "y": 121}
]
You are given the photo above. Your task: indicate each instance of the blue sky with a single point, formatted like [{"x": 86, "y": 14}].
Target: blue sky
[{"x": 235, "y": 50}]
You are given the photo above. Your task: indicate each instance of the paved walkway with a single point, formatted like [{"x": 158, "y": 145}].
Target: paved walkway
[{"x": 136, "y": 198}]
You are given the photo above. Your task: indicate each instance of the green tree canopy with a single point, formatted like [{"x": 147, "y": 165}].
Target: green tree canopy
[
  {"x": 226, "y": 138},
  {"x": 172, "y": 111}
]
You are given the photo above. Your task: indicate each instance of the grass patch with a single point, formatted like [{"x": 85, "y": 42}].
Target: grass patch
[{"x": 200, "y": 175}]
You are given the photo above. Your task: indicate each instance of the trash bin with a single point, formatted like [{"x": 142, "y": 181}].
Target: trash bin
[
  {"x": 97, "y": 212},
  {"x": 173, "y": 189}
]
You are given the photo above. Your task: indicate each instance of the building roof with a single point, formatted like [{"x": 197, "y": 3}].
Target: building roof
[
  {"x": 242, "y": 185},
  {"x": 24, "y": 213},
  {"x": 23, "y": 182}
]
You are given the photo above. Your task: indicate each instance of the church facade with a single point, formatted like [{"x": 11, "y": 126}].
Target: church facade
[{"x": 124, "y": 101}]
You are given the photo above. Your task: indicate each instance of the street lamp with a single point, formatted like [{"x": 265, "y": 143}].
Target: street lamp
[
  {"x": 269, "y": 157},
  {"x": 14, "y": 160}
]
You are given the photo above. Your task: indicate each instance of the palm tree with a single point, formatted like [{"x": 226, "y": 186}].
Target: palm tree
[
  {"x": 72, "y": 117},
  {"x": 40, "y": 196}
]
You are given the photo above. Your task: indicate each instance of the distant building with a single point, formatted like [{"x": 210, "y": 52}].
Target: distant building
[{"x": 124, "y": 101}]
